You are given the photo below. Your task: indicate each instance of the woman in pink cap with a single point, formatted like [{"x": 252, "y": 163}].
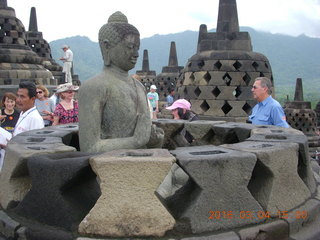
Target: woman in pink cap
[{"x": 181, "y": 109}]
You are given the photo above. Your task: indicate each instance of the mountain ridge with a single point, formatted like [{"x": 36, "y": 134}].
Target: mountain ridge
[{"x": 290, "y": 57}]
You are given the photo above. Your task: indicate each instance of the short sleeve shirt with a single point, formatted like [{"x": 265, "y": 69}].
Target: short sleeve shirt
[
  {"x": 28, "y": 120},
  {"x": 268, "y": 112},
  {"x": 153, "y": 97}
]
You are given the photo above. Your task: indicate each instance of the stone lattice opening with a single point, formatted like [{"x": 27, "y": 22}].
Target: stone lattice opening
[
  {"x": 237, "y": 65},
  {"x": 205, "y": 106},
  {"x": 227, "y": 78},
  {"x": 197, "y": 91},
  {"x": 226, "y": 108},
  {"x": 255, "y": 65},
  {"x": 260, "y": 184},
  {"x": 218, "y": 65},
  {"x": 246, "y": 78},
  {"x": 216, "y": 91},
  {"x": 237, "y": 92},
  {"x": 207, "y": 77},
  {"x": 247, "y": 108},
  {"x": 201, "y": 64}
]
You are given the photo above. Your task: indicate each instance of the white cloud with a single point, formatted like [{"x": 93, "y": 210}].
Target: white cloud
[{"x": 61, "y": 18}]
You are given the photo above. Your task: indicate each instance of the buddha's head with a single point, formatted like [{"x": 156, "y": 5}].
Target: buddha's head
[{"x": 119, "y": 42}]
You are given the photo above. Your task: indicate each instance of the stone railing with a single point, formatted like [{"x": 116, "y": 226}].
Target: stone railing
[{"x": 210, "y": 177}]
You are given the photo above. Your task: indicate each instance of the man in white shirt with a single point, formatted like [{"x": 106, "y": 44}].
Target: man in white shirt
[
  {"x": 30, "y": 118},
  {"x": 67, "y": 63}
]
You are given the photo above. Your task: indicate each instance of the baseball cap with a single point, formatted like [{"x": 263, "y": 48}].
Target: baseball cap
[{"x": 180, "y": 103}]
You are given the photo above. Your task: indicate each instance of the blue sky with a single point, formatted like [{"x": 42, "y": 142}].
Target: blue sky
[{"x": 66, "y": 18}]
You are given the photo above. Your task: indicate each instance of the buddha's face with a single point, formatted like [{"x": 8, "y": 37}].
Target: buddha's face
[{"x": 125, "y": 54}]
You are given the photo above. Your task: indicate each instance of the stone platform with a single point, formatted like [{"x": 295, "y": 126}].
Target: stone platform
[{"x": 233, "y": 181}]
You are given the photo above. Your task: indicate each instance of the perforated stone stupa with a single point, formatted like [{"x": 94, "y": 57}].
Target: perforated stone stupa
[
  {"x": 301, "y": 116},
  {"x": 219, "y": 77},
  {"x": 147, "y": 76},
  {"x": 41, "y": 47},
  {"x": 167, "y": 79},
  {"x": 17, "y": 61}
]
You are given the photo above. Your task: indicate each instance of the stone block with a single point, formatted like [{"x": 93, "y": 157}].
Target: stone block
[
  {"x": 128, "y": 205},
  {"x": 206, "y": 92},
  {"x": 318, "y": 193},
  {"x": 202, "y": 131},
  {"x": 219, "y": 185},
  {"x": 171, "y": 128},
  {"x": 65, "y": 188},
  {"x": 221, "y": 236},
  {"x": 304, "y": 221},
  {"x": 217, "y": 78},
  {"x": 236, "y": 109},
  {"x": 279, "y": 134},
  {"x": 232, "y": 132},
  {"x": 227, "y": 93},
  {"x": 8, "y": 226},
  {"x": 201, "y": 78},
  {"x": 275, "y": 182},
  {"x": 273, "y": 230},
  {"x": 14, "y": 176}
]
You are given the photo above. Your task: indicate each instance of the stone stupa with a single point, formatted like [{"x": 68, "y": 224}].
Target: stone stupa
[
  {"x": 218, "y": 78},
  {"x": 167, "y": 79},
  {"x": 41, "y": 47},
  {"x": 147, "y": 76},
  {"x": 17, "y": 61},
  {"x": 302, "y": 117}
]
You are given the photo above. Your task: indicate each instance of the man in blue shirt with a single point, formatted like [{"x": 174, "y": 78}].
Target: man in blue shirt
[{"x": 268, "y": 111}]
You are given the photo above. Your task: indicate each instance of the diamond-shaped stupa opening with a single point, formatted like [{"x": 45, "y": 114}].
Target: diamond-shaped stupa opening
[
  {"x": 226, "y": 107},
  {"x": 205, "y": 106},
  {"x": 201, "y": 64},
  {"x": 255, "y": 65},
  {"x": 227, "y": 78},
  {"x": 247, "y": 108},
  {"x": 216, "y": 91},
  {"x": 237, "y": 65},
  {"x": 197, "y": 91},
  {"x": 207, "y": 77},
  {"x": 218, "y": 65},
  {"x": 246, "y": 78},
  {"x": 237, "y": 92}
]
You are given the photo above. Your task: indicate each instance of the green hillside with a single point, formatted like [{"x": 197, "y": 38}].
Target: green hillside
[{"x": 290, "y": 57}]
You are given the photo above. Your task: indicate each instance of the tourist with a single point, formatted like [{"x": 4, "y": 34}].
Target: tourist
[
  {"x": 67, "y": 110},
  {"x": 67, "y": 63},
  {"x": 170, "y": 97},
  {"x": 154, "y": 99},
  {"x": 181, "y": 109},
  {"x": 268, "y": 111},
  {"x": 9, "y": 115},
  {"x": 114, "y": 111},
  {"x": 44, "y": 105}
]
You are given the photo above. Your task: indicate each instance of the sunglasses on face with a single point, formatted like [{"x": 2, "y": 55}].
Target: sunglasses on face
[{"x": 39, "y": 92}]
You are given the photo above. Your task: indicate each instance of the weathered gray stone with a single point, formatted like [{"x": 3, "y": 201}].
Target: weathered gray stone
[
  {"x": 304, "y": 221},
  {"x": 318, "y": 193},
  {"x": 117, "y": 96},
  {"x": 127, "y": 205},
  {"x": 273, "y": 230},
  {"x": 8, "y": 226},
  {"x": 202, "y": 131},
  {"x": 14, "y": 177},
  {"x": 275, "y": 182},
  {"x": 279, "y": 134},
  {"x": 56, "y": 189},
  {"x": 220, "y": 177},
  {"x": 171, "y": 128},
  {"x": 221, "y": 236}
]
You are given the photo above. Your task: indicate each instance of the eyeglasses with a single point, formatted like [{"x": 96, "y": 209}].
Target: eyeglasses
[
  {"x": 69, "y": 92},
  {"x": 39, "y": 92},
  {"x": 255, "y": 87}
]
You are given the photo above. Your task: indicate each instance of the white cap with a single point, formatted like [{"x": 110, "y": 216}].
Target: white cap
[{"x": 153, "y": 87}]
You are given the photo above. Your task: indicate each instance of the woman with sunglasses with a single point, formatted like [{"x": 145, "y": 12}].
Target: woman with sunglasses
[
  {"x": 44, "y": 105},
  {"x": 67, "y": 110}
]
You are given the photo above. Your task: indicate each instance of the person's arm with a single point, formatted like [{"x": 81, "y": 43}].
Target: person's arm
[
  {"x": 55, "y": 121},
  {"x": 278, "y": 117}
]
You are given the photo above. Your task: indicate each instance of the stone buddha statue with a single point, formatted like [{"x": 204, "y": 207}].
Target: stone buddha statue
[{"x": 113, "y": 108}]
